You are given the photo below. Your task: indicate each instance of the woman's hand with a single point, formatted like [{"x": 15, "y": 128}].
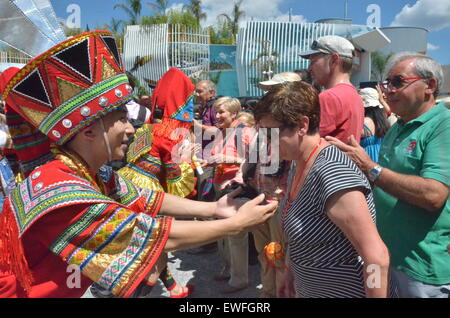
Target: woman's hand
[
  {"x": 286, "y": 288},
  {"x": 252, "y": 213},
  {"x": 387, "y": 108},
  {"x": 216, "y": 159},
  {"x": 188, "y": 150}
]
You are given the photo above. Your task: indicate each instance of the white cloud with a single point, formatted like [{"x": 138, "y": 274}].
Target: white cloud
[
  {"x": 431, "y": 47},
  {"x": 294, "y": 18},
  {"x": 432, "y": 15},
  {"x": 260, "y": 10}
]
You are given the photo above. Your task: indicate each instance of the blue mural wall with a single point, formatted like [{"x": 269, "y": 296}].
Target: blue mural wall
[{"x": 222, "y": 67}]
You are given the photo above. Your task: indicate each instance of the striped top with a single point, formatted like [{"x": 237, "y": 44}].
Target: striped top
[{"x": 323, "y": 261}]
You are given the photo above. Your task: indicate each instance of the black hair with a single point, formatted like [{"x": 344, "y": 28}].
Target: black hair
[
  {"x": 121, "y": 108},
  {"x": 157, "y": 114},
  {"x": 378, "y": 116},
  {"x": 305, "y": 75}
]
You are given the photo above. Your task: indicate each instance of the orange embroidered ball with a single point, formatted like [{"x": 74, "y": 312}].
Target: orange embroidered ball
[{"x": 274, "y": 252}]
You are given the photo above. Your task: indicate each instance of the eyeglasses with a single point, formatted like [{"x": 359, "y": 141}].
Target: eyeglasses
[{"x": 398, "y": 82}]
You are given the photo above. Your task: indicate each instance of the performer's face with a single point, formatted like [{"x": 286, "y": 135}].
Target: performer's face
[{"x": 118, "y": 130}]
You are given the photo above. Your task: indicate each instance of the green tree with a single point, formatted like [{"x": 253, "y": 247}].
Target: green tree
[
  {"x": 237, "y": 15},
  {"x": 378, "y": 64},
  {"x": 154, "y": 19},
  {"x": 221, "y": 33},
  {"x": 172, "y": 16},
  {"x": 183, "y": 18},
  {"x": 73, "y": 31},
  {"x": 132, "y": 8},
  {"x": 196, "y": 9},
  {"x": 160, "y": 6},
  {"x": 115, "y": 26}
]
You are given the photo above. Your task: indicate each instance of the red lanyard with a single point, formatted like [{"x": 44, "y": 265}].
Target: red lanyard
[{"x": 294, "y": 187}]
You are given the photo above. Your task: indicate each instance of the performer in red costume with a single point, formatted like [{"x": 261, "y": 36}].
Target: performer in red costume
[
  {"x": 154, "y": 159},
  {"x": 66, "y": 114}
]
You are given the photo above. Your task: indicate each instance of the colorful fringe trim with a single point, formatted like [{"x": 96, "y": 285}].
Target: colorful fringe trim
[{"x": 12, "y": 254}]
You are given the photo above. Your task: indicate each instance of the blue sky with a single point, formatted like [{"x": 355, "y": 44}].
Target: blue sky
[{"x": 433, "y": 15}]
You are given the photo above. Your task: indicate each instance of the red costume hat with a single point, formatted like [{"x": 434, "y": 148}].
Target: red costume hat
[
  {"x": 174, "y": 96},
  {"x": 62, "y": 91}
]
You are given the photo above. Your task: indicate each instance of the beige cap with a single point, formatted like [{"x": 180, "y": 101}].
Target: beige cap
[
  {"x": 280, "y": 78},
  {"x": 370, "y": 97}
]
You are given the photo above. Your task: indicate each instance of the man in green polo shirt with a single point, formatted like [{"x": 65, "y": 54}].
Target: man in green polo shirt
[{"x": 412, "y": 178}]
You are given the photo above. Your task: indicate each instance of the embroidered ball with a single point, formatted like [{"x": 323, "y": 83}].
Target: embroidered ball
[{"x": 274, "y": 252}]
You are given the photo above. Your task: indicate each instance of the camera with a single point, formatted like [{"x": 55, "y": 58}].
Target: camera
[{"x": 247, "y": 192}]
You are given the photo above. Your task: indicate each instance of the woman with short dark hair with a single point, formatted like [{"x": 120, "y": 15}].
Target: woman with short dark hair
[{"x": 328, "y": 216}]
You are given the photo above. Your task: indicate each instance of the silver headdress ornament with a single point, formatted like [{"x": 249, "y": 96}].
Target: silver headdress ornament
[{"x": 29, "y": 26}]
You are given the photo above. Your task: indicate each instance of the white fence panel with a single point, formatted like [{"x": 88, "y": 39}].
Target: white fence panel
[
  {"x": 163, "y": 46},
  {"x": 148, "y": 43},
  {"x": 259, "y": 39}
]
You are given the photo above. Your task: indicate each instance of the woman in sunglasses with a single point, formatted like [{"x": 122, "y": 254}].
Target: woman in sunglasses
[{"x": 328, "y": 217}]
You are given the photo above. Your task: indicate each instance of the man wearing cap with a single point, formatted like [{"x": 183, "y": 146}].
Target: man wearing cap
[
  {"x": 412, "y": 178},
  {"x": 73, "y": 221},
  {"x": 341, "y": 108}
]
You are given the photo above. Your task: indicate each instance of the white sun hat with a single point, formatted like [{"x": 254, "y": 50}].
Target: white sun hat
[{"x": 280, "y": 78}]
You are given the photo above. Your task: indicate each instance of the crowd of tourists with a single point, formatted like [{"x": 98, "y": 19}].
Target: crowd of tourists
[{"x": 342, "y": 191}]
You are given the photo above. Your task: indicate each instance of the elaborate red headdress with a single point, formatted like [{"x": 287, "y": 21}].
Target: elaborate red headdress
[{"x": 62, "y": 91}]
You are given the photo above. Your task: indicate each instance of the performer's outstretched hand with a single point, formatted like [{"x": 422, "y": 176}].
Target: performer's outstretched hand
[
  {"x": 228, "y": 205},
  {"x": 252, "y": 213}
]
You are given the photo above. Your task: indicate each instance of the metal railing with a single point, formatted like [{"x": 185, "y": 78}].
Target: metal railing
[
  {"x": 13, "y": 57},
  {"x": 162, "y": 46},
  {"x": 265, "y": 48}
]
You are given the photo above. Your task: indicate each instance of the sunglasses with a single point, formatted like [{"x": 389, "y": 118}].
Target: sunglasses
[
  {"x": 315, "y": 45},
  {"x": 398, "y": 82}
]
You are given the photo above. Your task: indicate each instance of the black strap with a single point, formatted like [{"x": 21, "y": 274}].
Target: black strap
[
  {"x": 142, "y": 113},
  {"x": 367, "y": 131}
]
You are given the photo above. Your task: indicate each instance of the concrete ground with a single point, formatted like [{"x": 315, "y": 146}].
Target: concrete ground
[{"x": 198, "y": 270}]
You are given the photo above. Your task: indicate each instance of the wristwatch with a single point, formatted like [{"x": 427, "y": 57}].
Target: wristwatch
[{"x": 374, "y": 173}]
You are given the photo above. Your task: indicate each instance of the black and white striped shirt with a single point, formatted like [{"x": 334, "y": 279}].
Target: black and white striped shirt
[{"x": 323, "y": 261}]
